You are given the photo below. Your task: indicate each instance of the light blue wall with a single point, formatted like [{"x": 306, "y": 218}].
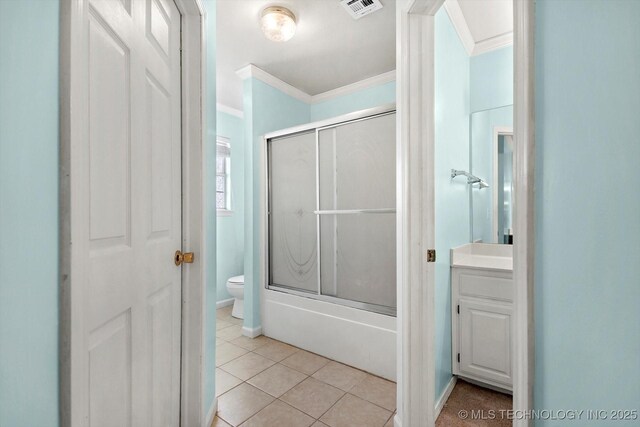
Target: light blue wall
[
  {"x": 210, "y": 210},
  {"x": 266, "y": 109},
  {"x": 29, "y": 32},
  {"x": 29, "y": 213},
  {"x": 366, "y": 98},
  {"x": 482, "y": 125},
  {"x": 492, "y": 79},
  {"x": 452, "y": 196},
  {"x": 587, "y": 206},
  {"x": 230, "y": 236}
]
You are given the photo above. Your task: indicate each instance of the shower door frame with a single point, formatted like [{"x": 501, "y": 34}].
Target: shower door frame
[
  {"x": 316, "y": 127},
  {"x": 415, "y": 57}
]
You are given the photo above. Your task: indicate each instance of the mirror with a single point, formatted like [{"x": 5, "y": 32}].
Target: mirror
[{"x": 492, "y": 160}]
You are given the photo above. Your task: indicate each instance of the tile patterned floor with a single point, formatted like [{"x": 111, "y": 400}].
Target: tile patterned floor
[
  {"x": 262, "y": 382},
  {"x": 470, "y": 397}
]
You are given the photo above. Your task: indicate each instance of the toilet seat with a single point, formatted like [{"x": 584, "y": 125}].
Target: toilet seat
[{"x": 236, "y": 280}]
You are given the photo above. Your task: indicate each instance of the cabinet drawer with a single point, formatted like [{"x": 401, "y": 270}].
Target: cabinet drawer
[{"x": 481, "y": 284}]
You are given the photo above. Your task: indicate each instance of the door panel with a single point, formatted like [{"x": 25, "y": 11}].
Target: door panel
[
  {"x": 110, "y": 373},
  {"x": 292, "y": 202},
  {"x": 129, "y": 199},
  {"x": 109, "y": 135}
]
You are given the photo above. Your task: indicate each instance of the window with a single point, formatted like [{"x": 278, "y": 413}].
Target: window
[{"x": 223, "y": 174}]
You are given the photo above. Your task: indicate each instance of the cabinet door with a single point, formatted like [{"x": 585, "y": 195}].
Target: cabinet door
[{"x": 485, "y": 340}]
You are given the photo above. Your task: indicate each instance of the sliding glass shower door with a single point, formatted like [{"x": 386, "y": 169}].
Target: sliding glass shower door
[
  {"x": 332, "y": 213},
  {"x": 293, "y": 247}
]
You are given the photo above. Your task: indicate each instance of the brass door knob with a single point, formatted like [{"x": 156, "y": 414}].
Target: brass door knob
[{"x": 186, "y": 257}]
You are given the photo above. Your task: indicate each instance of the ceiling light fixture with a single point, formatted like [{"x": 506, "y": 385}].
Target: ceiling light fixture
[{"x": 278, "y": 23}]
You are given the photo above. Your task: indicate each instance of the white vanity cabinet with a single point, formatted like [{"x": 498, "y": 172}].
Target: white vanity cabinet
[{"x": 482, "y": 310}]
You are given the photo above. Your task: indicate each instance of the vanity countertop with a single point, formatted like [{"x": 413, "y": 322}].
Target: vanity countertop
[{"x": 483, "y": 256}]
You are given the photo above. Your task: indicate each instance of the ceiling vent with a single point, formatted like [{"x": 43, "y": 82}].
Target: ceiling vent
[{"x": 359, "y": 8}]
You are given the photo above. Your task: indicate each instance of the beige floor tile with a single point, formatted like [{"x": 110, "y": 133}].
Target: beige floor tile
[
  {"x": 234, "y": 320},
  {"x": 219, "y": 342},
  {"x": 229, "y": 333},
  {"x": 319, "y": 424},
  {"x": 376, "y": 390},
  {"x": 279, "y": 414},
  {"x": 222, "y": 324},
  {"x": 276, "y": 350},
  {"x": 312, "y": 397},
  {"x": 305, "y": 362},
  {"x": 227, "y": 352},
  {"x": 277, "y": 379},
  {"x": 390, "y": 422},
  {"x": 338, "y": 375},
  {"x": 248, "y": 365},
  {"x": 224, "y": 311},
  {"x": 251, "y": 343},
  {"x": 351, "y": 411},
  {"x": 242, "y": 402},
  {"x": 217, "y": 422},
  {"x": 225, "y": 381}
]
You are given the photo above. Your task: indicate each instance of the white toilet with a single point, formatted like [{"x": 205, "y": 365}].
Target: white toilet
[{"x": 235, "y": 286}]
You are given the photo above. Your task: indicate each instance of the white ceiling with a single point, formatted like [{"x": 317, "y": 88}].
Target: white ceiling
[
  {"x": 330, "y": 49},
  {"x": 487, "y": 19}
]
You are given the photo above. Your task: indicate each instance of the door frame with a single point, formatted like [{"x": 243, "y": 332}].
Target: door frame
[
  {"x": 416, "y": 135},
  {"x": 73, "y": 107}
]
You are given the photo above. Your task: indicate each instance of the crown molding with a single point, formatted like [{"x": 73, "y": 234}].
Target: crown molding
[
  {"x": 460, "y": 25},
  {"x": 228, "y": 110},
  {"x": 258, "y": 73},
  {"x": 354, "y": 87},
  {"x": 493, "y": 43},
  {"x": 472, "y": 47}
]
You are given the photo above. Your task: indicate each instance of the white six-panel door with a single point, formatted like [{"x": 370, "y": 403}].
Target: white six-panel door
[{"x": 127, "y": 192}]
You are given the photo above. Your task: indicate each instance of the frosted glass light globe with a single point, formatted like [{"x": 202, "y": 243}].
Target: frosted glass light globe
[{"x": 278, "y": 23}]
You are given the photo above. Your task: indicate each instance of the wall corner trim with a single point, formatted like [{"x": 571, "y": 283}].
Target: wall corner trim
[{"x": 258, "y": 73}]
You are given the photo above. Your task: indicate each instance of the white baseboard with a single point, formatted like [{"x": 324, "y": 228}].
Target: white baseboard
[
  {"x": 211, "y": 413},
  {"x": 445, "y": 396},
  {"x": 252, "y": 332},
  {"x": 225, "y": 302},
  {"x": 396, "y": 421},
  {"x": 485, "y": 384}
]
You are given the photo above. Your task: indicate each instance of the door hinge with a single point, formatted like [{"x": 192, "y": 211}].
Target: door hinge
[
  {"x": 431, "y": 255},
  {"x": 458, "y": 308},
  {"x": 458, "y": 357}
]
